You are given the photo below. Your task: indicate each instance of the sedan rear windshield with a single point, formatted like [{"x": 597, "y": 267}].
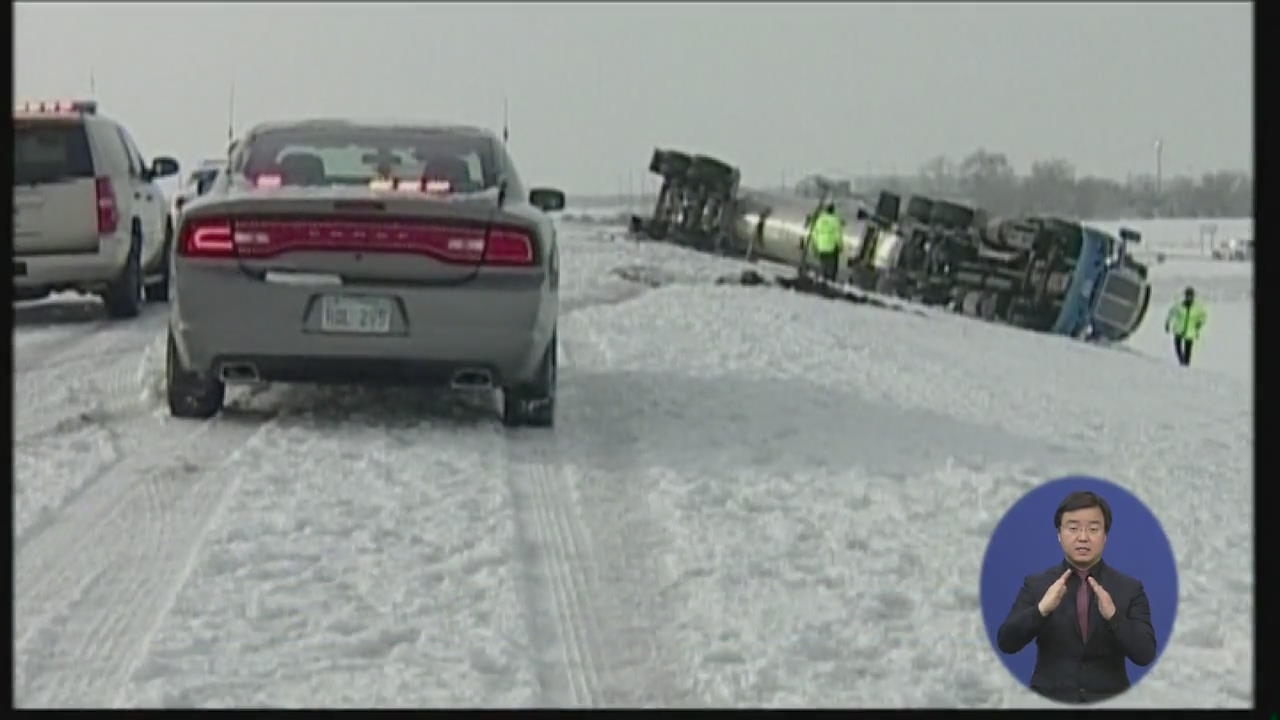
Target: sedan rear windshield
[
  {"x": 351, "y": 156},
  {"x": 50, "y": 152}
]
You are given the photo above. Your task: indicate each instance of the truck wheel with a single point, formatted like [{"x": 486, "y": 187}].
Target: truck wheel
[
  {"x": 533, "y": 404},
  {"x": 886, "y": 284},
  {"x": 674, "y": 164},
  {"x": 190, "y": 395},
  {"x": 713, "y": 175},
  {"x": 988, "y": 306},
  {"x": 949, "y": 214},
  {"x": 21, "y": 294},
  {"x": 123, "y": 299}
]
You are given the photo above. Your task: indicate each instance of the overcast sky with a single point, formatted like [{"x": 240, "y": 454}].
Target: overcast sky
[{"x": 775, "y": 89}]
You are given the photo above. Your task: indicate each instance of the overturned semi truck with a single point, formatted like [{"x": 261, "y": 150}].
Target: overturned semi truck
[{"x": 1047, "y": 274}]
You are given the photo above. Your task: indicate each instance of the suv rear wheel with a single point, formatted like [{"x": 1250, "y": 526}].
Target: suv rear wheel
[
  {"x": 158, "y": 291},
  {"x": 123, "y": 298}
]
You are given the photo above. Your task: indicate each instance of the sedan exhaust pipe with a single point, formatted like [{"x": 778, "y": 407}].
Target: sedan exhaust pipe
[
  {"x": 239, "y": 373},
  {"x": 472, "y": 379}
]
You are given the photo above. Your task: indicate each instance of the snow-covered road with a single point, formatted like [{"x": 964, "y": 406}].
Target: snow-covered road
[{"x": 750, "y": 498}]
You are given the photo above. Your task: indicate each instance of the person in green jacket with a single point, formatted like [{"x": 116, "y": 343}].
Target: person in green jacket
[
  {"x": 1186, "y": 319},
  {"x": 826, "y": 235}
]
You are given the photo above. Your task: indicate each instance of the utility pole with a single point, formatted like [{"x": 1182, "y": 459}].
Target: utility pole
[
  {"x": 231, "y": 112},
  {"x": 1159, "y": 148},
  {"x": 1157, "y": 202}
]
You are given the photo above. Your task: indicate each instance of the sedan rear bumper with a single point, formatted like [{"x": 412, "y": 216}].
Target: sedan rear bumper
[
  {"x": 221, "y": 317},
  {"x": 357, "y": 370}
]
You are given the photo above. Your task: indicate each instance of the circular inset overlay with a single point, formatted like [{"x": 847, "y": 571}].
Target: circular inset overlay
[{"x": 1026, "y": 543}]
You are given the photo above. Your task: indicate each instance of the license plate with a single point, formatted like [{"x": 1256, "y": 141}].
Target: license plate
[{"x": 345, "y": 314}]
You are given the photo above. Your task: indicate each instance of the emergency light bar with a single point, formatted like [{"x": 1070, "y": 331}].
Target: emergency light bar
[
  {"x": 410, "y": 185},
  {"x": 268, "y": 181},
  {"x": 89, "y": 107}
]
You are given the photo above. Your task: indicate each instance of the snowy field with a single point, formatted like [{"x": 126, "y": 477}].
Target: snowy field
[{"x": 751, "y": 498}]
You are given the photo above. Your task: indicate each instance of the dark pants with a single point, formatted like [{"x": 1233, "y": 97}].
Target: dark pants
[
  {"x": 1182, "y": 346},
  {"x": 830, "y": 263}
]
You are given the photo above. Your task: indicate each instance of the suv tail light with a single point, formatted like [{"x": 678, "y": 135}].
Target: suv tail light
[
  {"x": 256, "y": 239},
  {"x": 108, "y": 214}
]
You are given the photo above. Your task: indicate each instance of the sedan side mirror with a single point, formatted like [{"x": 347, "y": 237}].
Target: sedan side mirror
[{"x": 546, "y": 199}]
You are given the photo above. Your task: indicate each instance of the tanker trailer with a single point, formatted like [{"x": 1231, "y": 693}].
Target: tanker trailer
[
  {"x": 775, "y": 227},
  {"x": 701, "y": 205}
]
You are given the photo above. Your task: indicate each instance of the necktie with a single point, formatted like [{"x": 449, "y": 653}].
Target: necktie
[{"x": 1082, "y": 604}]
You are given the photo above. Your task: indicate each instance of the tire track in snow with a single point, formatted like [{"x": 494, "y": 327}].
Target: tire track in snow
[
  {"x": 621, "y": 294},
  {"x": 556, "y": 584},
  {"x": 84, "y": 342},
  {"x": 35, "y": 345},
  {"x": 560, "y": 590},
  {"x": 100, "y": 382},
  {"x": 91, "y": 589},
  {"x": 612, "y": 500},
  {"x": 592, "y": 583},
  {"x": 210, "y": 487},
  {"x": 46, "y": 516}
]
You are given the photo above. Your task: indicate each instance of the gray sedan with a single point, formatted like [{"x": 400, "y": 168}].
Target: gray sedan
[{"x": 343, "y": 252}]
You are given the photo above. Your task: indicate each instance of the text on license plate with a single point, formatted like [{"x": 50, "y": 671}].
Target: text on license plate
[{"x": 340, "y": 313}]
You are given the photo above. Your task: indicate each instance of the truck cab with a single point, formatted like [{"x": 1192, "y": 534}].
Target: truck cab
[{"x": 1110, "y": 294}]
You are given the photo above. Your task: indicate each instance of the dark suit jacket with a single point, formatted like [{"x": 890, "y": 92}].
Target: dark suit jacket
[{"x": 1070, "y": 668}]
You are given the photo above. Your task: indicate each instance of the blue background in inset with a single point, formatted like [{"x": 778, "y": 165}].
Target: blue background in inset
[{"x": 1025, "y": 542}]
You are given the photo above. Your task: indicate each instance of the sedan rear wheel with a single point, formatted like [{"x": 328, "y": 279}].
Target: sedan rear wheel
[
  {"x": 190, "y": 395},
  {"x": 534, "y": 403}
]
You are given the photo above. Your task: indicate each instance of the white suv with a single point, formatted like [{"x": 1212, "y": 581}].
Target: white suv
[{"x": 88, "y": 215}]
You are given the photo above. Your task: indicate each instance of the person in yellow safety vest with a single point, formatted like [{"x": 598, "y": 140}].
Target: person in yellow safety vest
[
  {"x": 826, "y": 236},
  {"x": 1186, "y": 319}
]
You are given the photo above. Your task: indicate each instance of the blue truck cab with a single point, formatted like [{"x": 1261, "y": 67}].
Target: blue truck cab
[{"x": 1109, "y": 293}]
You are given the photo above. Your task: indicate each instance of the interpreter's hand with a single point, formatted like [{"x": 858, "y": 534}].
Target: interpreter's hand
[
  {"x": 1054, "y": 595},
  {"x": 1106, "y": 605}
]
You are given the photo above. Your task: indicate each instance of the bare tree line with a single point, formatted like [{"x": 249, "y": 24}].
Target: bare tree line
[{"x": 987, "y": 180}]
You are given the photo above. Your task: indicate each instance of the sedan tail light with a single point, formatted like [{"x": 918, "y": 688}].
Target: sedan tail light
[
  {"x": 509, "y": 247},
  {"x": 206, "y": 238},
  {"x": 260, "y": 238}
]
